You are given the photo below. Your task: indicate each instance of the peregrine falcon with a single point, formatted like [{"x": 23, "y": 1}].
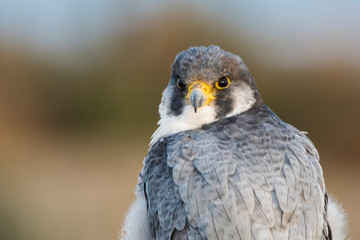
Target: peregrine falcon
[{"x": 222, "y": 165}]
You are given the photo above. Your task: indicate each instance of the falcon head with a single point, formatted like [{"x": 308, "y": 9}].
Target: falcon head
[{"x": 206, "y": 84}]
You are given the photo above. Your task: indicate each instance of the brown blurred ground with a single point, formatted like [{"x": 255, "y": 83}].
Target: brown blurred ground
[{"x": 73, "y": 139}]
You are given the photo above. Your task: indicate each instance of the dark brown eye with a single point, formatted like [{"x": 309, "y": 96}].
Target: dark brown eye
[
  {"x": 180, "y": 84},
  {"x": 222, "y": 83}
]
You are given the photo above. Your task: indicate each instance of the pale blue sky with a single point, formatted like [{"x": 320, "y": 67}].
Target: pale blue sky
[{"x": 64, "y": 24}]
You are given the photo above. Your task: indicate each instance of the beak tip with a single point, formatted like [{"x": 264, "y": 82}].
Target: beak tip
[{"x": 196, "y": 99}]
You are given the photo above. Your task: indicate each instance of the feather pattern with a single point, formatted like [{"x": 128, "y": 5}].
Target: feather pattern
[{"x": 249, "y": 176}]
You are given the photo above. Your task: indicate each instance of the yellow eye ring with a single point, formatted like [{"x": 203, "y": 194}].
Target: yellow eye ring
[{"x": 223, "y": 83}]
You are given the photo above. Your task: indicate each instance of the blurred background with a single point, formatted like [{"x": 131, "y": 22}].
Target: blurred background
[{"x": 80, "y": 83}]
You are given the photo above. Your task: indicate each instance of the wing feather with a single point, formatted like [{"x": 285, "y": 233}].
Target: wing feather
[{"x": 250, "y": 176}]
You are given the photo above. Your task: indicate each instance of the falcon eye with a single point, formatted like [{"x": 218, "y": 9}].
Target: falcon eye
[
  {"x": 179, "y": 83},
  {"x": 222, "y": 83}
]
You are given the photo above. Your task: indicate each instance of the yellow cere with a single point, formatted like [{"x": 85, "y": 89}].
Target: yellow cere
[{"x": 204, "y": 88}]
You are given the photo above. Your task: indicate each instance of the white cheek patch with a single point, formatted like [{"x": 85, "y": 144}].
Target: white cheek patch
[{"x": 243, "y": 98}]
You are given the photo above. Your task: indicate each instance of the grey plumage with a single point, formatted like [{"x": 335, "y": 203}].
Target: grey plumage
[
  {"x": 241, "y": 177},
  {"x": 232, "y": 169}
]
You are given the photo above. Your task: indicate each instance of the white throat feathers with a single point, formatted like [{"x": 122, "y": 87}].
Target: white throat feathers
[{"x": 243, "y": 97}]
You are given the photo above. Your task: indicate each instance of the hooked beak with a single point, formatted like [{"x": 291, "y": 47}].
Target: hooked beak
[{"x": 199, "y": 94}]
